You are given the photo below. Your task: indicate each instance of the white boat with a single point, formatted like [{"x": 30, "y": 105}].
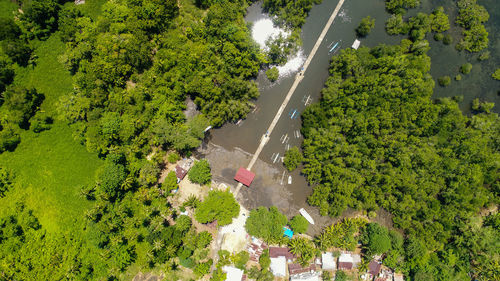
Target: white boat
[
  {"x": 289, "y": 179},
  {"x": 306, "y": 215}
]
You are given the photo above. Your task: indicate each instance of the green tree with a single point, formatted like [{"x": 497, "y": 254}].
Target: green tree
[
  {"x": 39, "y": 18},
  {"x": 6, "y": 73},
  {"x": 376, "y": 239},
  {"x": 439, "y": 20},
  {"x": 200, "y": 172},
  {"x": 293, "y": 158},
  {"x": 299, "y": 224},
  {"x": 496, "y": 74},
  {"x": 109, "y": 178},
  {"x": 272, "y": 74},
  {"x": 365, "y": 26},
  {"x": 170, "y": 182},
  {"x": 6, "y": 180},
  {"x": 340, "y": 275},
  {"x": 218, "y": 205},
  {"x": 20, "y": 104},
  {"x": 466, "y": 68},
  {"x": 265, "y": 260},
  {"x": 19, "y": 51},
  {"x": 266, "y": 224},
  {"x": 444, "y": 81}
]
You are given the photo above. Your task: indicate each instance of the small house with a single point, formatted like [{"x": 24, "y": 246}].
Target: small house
[
  {"x": 346, "y": 261},
  {"x": 244, "y": 176},
  {"x": 275, "y": 252},
  {"x": 374, "y": 268},
  {"x": 328, "y": 261},
  {"x": 310, "y": 276},
  {"x": 356, "y": 44},
  {"x": 278, "y": 266},
  {"x": 233, "y": 273}
]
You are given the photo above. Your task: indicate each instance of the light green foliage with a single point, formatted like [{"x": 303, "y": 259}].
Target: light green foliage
[
  {"x": 363, "y": 151},
  {"x": 396, "y": 25},
  {"x": 19, "y": 104},
  {"x": 496, "y": 74},
  {"x": 471, "y": 17},
  {"x": 240, "y": 260},
  {"x": 272, "y": 74},
  {"x": 303, "y": 248},
  {"x": 202, "y": 269},
  {"x": 458, "y": 77},
  {"x": 170, "y": 183},
  {"x": 264, "y": 259},
  {"x": 299, "y": 224},
  {"x": 266, "y": 224},
  {"x": 293, "y": 158},
  {"x": 218, "y": 205},
  {"x": 340, "y": 275},
  {"x": 444, "y": 81},
  {"x": 466, "y": 68},
  {"x": 200, "y": 172},
  {"x": 173, "y": 157},
  {"x": 326, "y": 276},
  {"x": 183, "y": 223},
  {"x": 218, "y": 274},
  {"x": 439, "y": 20},
  {"x": 340, "y": 235},
  {"x": 365, "y": 26},
  {"x": 293, "y": 13},
  {"x": 438, "y": 36},
  {"x": 6, "y": 177},
  {"x": 479, "y": 106},
  {"x": 400, "y": 6},
  {"x": 484, "y": 56}
]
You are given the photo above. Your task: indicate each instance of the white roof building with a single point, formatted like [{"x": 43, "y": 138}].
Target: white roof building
[
  {"x": 309, "y": 276},
  {"x": 356, "y": 260},
  {"x": 346, "y": 257},
  {"x": 328, "y": 261},
  {"x": 233, "y": 273},
  {"x": 278, "y": 266}
]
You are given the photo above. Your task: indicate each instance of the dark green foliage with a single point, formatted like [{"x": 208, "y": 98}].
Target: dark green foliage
[
  {"x": 18, "y": 50},
  {"x": 293, "y": 13},
  {"x": 299, "y": 224},
  {"x": 109, "y": 178},
  {"x": 40, "y": 122},
  {"x": 293, "y": 158},
  {"x": 303, "y": 248},
  {"x": 431, "y": 171},
  {"x": 67, "y": 23},
  {"x": 10, "y": 30},
  {"x": 376, "y": 239},
  {"x": 218, "y": 205},
  {"x": 448, "y": 39},
  {"x": 484, "y": 56},
  {"x": 438, "y": 36},
  {"x": 444, "y": 81},
  {"x": 170, "y": 183},
  {"x": 6, "y": 74},
  {"x": 272, "y": 74},
  {"x": 9, "y": 137},
  {"x": 266, "y": 224},
  {"x": 482, "y": 107},
  {"x": 19, "y": 105},
  {"x": 466, "y": 68},
  {"x": 200, "y": 172},
  {"x": 39, "y": 18},
  {"x": 365, "y": 26}
]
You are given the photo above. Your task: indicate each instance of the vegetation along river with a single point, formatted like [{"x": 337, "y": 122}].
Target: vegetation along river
[{"x": 246, "y": 134}]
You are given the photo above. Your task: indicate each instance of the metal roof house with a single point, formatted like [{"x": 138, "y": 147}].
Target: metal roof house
[
  {"x": 244, "y": 176},
  {"x": 328, "y": 261}
]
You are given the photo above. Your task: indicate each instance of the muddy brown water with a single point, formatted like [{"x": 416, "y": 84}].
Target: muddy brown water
[{"x": 231, "y": 146}]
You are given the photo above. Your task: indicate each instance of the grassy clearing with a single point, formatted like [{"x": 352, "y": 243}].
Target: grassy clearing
[
  {"x": 6, "y": 8},
  {"x": 48, "y": 76},
  {"x": 50, "y": 166}
]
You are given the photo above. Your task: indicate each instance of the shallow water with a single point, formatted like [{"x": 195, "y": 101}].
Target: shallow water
[{"x": 244, "y": 138}]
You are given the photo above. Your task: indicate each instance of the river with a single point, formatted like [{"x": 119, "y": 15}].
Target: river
[{"x": 231, "y": 146}]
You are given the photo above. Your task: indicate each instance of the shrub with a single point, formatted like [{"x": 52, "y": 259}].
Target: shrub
[
  {"x": 466, "y": 68},
  {"x": 365, "y": 26},
  {"x": 272, "y": 74},
  {"x": 484, "y": 56},
  {"x": 202, "y": 269},
  {"x": 496, "y": 74},
  {"x": 200, "y": 172},
  {"x": 266, "y": 223},
  {"x": 447, "y": 40},
  {"x": 438, "y": 36},
  {"x": 444, "y": 81},
  {"x": 299, "y": 224},
  {"x": 170, "y": 183},
  {"x": 458, "y": 77},
  {"x": 264, "y": 259}
]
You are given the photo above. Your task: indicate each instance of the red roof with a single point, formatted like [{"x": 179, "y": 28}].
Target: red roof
[
  {"x": 275, "y": 252},
  {"x": 244, "y": 176},
  {"x": 180, "y": 172},
  {"x": 374, "y": 268},
  {"x": 345, "y": 265}
]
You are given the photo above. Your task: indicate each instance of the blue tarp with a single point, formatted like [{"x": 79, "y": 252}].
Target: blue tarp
[{"x": 287, "y": 232}]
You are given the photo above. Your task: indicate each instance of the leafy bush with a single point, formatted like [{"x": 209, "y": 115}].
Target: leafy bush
[
  {"x": 444, "y": 81},
  {"x": 266, "y": 223},
  {"x": 438, "y": 36},
  {"x": 170, "y": 183},
  {"x": 240, "y": 260},
  {"x": 6, "y": 181},
  {"x": 265, "y": 259},
  {"x": 466, "y": 68},
  {"x": 200, "y": 172},
  {"x": 496, "y": 74},
  {"x": 458, "y": 77},
  {"x": 272, "y": 74},
  {"x": 376, "y": 239},
  {"x": 202, "y": 269},
  {"x": 299, "y": 224},
  {"x": 365, "y": 26},
  {"x": 439, "y": 20},
  {"x": 447, "y": 40},
  {"x": 293, "y": 158},
  {"x": 173, "y": 157},
  {"x": 220, "y": 206}
]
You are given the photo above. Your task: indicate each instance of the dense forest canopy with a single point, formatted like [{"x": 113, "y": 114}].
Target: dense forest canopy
[{"x": 377, "y": 140}]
